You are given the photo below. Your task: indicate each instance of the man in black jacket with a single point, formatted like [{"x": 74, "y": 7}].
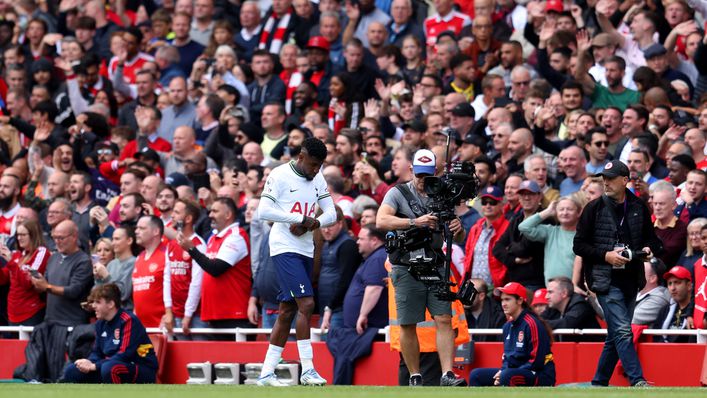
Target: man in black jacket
[
  {"x": 609, "y": 227},
  {"x": 568, "y": 310},
  {"x": 523, "y": 258},
  {"x": 484, "y": 313}
]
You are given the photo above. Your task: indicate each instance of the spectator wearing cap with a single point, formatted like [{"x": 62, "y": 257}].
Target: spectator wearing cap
[
  {"x": 321, "y": 68},
  {"x": 657, "y": 59},
  {"x": 521, "y": 256},
  {"x": 527, "y": 355},
  {"x": 472, "y": 147},
  {"x": 604, "y": 46},
  {"x": 463, "y": 75},
  {"x": 484, "y": 313},
  {"x": 403, "y": 24},
  {"x": 539, "y": 303},
  {"x": 266, "y": 87},
  {"x": 678, "y": 315},
  {"x": 461, "y": 119},
  {"x": 651, "y": 300},
  {"x": 480, "y": 261},
  {"x": 671, "y": 230},
  {"x": 614, "y": 278},
  {"x": 557, "y": 239},
  {"x": 414, "y": 133},
  {"x": 568, "y": 310},
  {"x": 182, "y": 112}
]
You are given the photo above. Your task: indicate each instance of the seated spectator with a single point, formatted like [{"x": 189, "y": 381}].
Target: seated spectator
[
  {"x": 678, "y": 314},
  {"x": 651, "y": 300},
  {"x": 567, "y": 309},
  {"x": 525, "y": 359},
  {"x": 484, "y": 313},
  {"x": 539, "y": 303},
  {"x": 122, "y": 353}
]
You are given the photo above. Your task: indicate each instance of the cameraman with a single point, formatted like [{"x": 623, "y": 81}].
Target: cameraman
[
  {"x": 610, "y": 226},
  {"x": 412, "y": 297}
]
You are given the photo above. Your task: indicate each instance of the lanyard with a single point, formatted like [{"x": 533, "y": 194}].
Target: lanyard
[{"x": 623, "y": 217}]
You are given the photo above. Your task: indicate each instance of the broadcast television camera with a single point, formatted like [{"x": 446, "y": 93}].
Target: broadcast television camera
[{"x": 421, "y": 248}]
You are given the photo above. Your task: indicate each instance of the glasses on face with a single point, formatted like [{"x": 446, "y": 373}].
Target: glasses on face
[
  {"x": 488, "y": 202},
  {"x": 601, "y": 143},
  {"x": 104, "y": 151}
]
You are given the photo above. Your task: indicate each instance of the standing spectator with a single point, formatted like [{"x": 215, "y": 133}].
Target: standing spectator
[
  {"x": 403, "y": 24},
  {"x": 671, "y": 230},
  {"x": 202, "y": 26},
  {"x": 361, "y": 15},
  {"x": 226, "y": 284},
  {"x": 575, "y": 169},
  {"x": 267, "y": 87},
  {"x": 25, "y": 306},
  {"x": 149, "y": 271},
  {"x": 181, "y": 112},
  {"x": 557, "y": 238},
  {"x": 247, "y": 38},
  {"x": 10, "y": 186},
  {"x": 275, "y": 138},
  {"x": 597, "y": 145},
  {"x": 339, "y": 262},
  {"x": 120, "y": 269},
  {"x": 189, "y": 50},
  {"x": 183, "y": 286},
  {"x": 281, "y": 25},
  {"x": 124, "y": 67},
  {"x": 479, "y": 261},
  {"x": 522, "y": 258},
  {"x": 615, "y": 278},
  {"x": 691, "y": 204},
  {"x": 446, "y": 19}
]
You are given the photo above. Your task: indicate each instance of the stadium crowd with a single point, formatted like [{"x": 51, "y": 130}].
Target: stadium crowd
[{"x": 134, "y": 131}]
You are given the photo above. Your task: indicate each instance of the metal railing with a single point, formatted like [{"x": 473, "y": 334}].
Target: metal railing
[{"x": 241, "y": 334}]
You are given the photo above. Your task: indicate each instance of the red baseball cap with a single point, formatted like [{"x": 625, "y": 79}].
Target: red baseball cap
[
  {"x": 678, "y": 272},
  {"x": 318, "y": 42},
  {"x": 554, "y": 5},
  {"x": 513, "y": 288},
  {"x": 540, "y": 297}
]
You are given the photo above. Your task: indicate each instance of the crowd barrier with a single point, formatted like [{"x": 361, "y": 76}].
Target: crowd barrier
[{"x": 664, "y": 364}]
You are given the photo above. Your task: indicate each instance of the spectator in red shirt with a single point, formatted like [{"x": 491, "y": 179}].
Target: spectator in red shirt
[
  {"x": 148, "y": 120},
  {"x": 148, "y": 274},
  {"x": 25, "y": 305}
]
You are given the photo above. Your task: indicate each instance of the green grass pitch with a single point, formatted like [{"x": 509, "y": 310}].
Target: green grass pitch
[{"x": 216, "y": 391}]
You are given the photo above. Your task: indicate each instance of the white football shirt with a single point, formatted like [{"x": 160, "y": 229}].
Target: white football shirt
[{"x": 287, "y": 197}]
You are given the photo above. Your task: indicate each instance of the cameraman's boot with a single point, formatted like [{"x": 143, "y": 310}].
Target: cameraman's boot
[
  {"x": 449, "y": 379},
  {"x": 416, "y": 380}
]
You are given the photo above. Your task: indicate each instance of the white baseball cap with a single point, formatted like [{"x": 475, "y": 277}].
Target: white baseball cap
[{"x": 424, "y": 162}]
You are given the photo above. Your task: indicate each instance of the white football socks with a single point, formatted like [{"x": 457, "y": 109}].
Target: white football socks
[
  {"x": 272, "y": 358},
  {"x": 305, "y": 354}
]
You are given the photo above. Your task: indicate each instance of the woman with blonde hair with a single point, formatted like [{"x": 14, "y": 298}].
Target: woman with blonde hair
[
  {"x": 558, "y": 239},
  {"x": 693, "y": 252},
  {"x": 11, "y": 137},
  {"x": 25, "y": 306}
]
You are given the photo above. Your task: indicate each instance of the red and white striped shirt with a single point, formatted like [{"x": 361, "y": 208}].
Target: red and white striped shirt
[{"x": 183, "y": 278}]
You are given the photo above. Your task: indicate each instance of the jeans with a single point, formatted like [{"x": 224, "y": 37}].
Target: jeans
[
  {"x": 196, "y": 322},
  {"x": 336, "y": 321},
  {"x": 618, "y": 312}
]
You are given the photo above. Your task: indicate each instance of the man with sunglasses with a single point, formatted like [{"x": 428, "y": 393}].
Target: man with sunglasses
[
  {"x": 405, "y": 208},
  {"x": 597, "y": 146}
]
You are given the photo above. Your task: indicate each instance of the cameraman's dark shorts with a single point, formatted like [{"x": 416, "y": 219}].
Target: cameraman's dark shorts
[{"x": 413, "y": 296}]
